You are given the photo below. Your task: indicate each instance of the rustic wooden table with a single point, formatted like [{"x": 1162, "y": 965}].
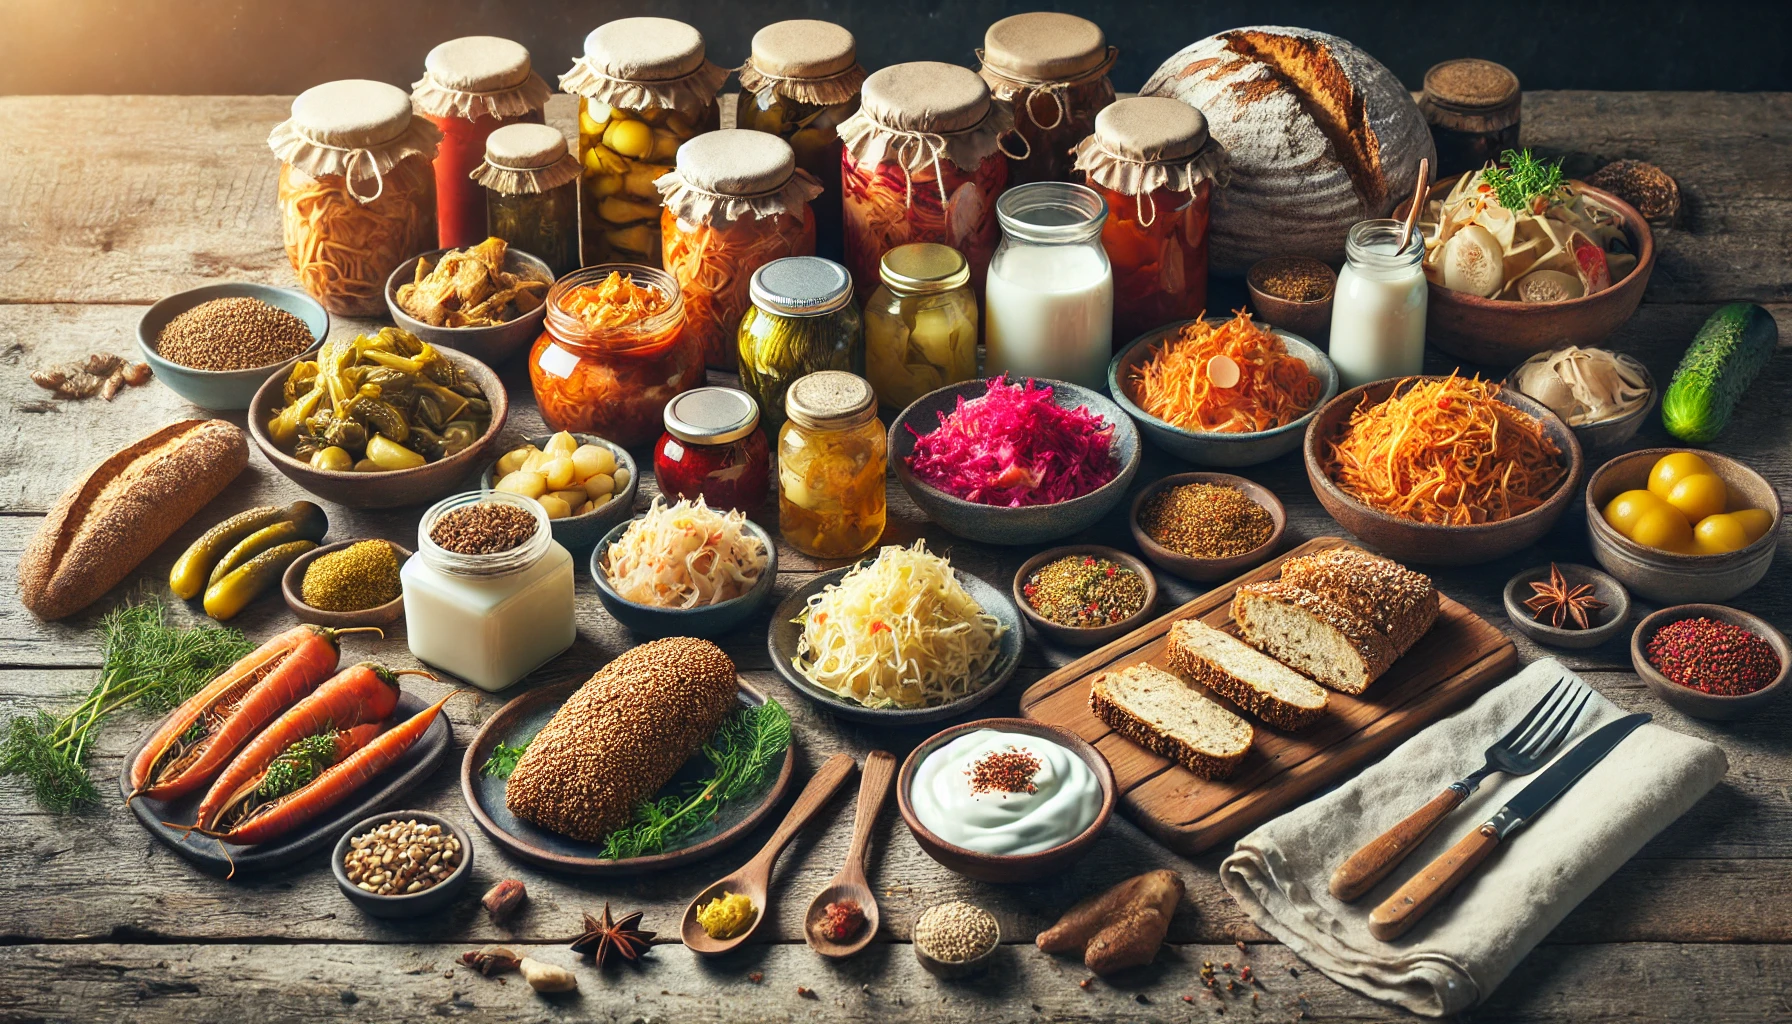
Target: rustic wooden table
[{"x": 109, "y": 203}]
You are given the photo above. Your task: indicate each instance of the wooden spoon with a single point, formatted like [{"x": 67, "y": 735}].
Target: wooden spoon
[
  {"x": 754, "y": 878},
  {"x": 849, "y": 884},
  {"x": 1418, "y": 200}
]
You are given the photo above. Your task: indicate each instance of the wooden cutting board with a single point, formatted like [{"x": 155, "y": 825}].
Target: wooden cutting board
[{"x": 1459, "y": 658}]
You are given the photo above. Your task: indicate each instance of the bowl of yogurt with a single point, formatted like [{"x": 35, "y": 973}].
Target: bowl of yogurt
[{"x": 1005, "y": 799}]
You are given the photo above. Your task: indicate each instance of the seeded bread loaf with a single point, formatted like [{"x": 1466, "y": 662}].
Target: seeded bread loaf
[
  {"x": 1163, "y": 714},
  {"x": 1244, "y": 675},
  {"x": 1400, "y": 603},
  {"x": 1312, "y": 634}
]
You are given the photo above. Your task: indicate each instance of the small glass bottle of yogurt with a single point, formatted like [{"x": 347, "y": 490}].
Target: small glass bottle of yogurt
[
  {"x": 1049, "y": 302},
  {"x": 1378, "y": 313}
]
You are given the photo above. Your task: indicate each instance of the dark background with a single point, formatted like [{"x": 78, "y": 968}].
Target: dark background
[{"x": 284, "y": 46}]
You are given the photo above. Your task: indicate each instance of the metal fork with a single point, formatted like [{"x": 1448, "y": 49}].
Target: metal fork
[{"x": 1520, "y": 752}]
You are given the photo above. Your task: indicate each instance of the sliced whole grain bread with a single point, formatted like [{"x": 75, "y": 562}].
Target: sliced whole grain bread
[
  {"x": 1244, "y": 675},
  {"x": 1399, "y": 602},
  {"x": 1312, "y": 634},
  {"x": 1165, "y": 715}
]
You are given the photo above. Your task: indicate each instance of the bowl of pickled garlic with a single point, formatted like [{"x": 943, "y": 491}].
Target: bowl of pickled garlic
[{"x": 601, "y": 470}]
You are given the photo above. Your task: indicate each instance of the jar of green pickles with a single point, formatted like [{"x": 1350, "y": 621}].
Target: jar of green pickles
[
  {"x": 531, "y": 188},
  {"x": 921, "y": 323},
  {"x": 832, "y": 456},
  {"x": 802, "y": 320}
]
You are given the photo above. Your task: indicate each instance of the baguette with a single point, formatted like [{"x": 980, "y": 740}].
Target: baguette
[
  {"x": 1244, "y": 675},
  {"x": 1400, "y": 603},
  {"x": 122, "y": 510},
  {"x": 1312, "y": 634},
  {"x": 1166, "y": 716}
]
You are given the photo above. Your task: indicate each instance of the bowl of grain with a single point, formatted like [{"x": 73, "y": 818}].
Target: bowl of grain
[
  {"x": 1207, "y": 526},
  {"x": 347, "y": 584},
  {"x": 1293, "y": 293},
  {"x": 216, "y": 344},
  {"x": 956, "y": 940},
  {"x": 403, "y": 863}
]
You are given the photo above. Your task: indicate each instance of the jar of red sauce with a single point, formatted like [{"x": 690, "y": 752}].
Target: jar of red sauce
[{"x": 713, "y": 447}]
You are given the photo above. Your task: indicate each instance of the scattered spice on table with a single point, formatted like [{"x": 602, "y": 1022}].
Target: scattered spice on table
[
  {"x": 487, "y": 528},
  {"x": 840, "y": 920},
  {"x": 401, "y": 858},
  {"x": 1206, "y": 520},
  {"x": 606, "y": 939},
  {"x": 1297, "y": 280},
  {"x": 1713, "y": 657},
  {"x": 238, "y": 333},
  {"x": 361, "y": 576},
  {"x": 1005, "y": 771},
  {"x": 727, "y": 915},
  {"x": 101, "y": 373},
  {"x": 1084, "y": 591},
  {"x": 1557, "y": 604},
  {"x": 491, "y": 960},
  {"x": 956, "y": 932},
  {"x": 503, "y": 900}
]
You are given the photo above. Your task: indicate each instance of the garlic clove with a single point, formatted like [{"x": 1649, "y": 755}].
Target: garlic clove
[{"x": 1473, "y": 262}]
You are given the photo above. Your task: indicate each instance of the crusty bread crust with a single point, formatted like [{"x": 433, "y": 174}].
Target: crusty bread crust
[
  {"x": 1374, "y": 650},
  {"x": 1272, "y": 709},
  {"x": 1399, "y": 602},
  {"x": 1134, "y": 728}
]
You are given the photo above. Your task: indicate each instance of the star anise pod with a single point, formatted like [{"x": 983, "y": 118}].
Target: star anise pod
[
  {"x": 1565, "y": 607},
  {"x": 491, "y": 960},
  {"x": 607, "y": 939}
]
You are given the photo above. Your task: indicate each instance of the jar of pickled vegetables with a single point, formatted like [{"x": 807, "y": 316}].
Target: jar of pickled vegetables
[
  {"x": 802, "y": 320},
  {"x": 831, "y": 463},
  {"x": 1054, "y": 69},
  {"x": 735, "y": 202},
  {"x": 357, "y": 193},
  {"x": 801, "y": 82},
  {"x": 645, "y": 87},
  {"x": 471, "y": 87},
  {"x": 531, "y": 188},
  {"x": 613, "y": 352},
  {"x": 923, "y": 162},
  {"x": 921, "y": 323},
  {"x": 713, "y": 447},
  {"x": 1151, "y": 161}
]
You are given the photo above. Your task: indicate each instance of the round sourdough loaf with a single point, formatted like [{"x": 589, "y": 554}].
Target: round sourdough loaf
[{"x": 1318, "y": 134}]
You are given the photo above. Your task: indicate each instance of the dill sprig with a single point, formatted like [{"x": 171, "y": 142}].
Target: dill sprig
[
  {"x": 298, "y": 764},
  {"x": 503, "y": 760},
  {"x": 1524, "y": 179}
]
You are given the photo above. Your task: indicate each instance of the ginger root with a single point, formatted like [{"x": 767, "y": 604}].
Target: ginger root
[{"x": 1120, "y": 928}]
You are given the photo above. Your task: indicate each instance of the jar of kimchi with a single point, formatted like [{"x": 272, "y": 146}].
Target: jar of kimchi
[
  {"x": 1151, "y": 161},
  {"x": 531, "y": 188},
  {"x": 832, "y": 456},
  {"x": 802, "y": 320},
  {"x": 923, "y": 162},
  {"x": 471, "y": 87},
  {"x": 713, "y": 448},
  {"x": 357, "y": 194},
  {"x": 921, "y": 323},
  {"x": 645, "y": 88},
  {"x": 735, "y": 202},
  {"x": 1054, "y": 69},
  {"x": 801, "y": 82},
  {"x": 613, "y": 353}
]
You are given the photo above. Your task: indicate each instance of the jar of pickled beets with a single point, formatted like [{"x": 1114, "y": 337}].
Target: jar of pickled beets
[{"x": 713, "y": 447}]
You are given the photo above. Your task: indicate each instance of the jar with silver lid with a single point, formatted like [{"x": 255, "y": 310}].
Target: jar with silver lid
[
  {"x": 713, "y": 448},
  {"x": 832, "y": 455},
  {"x": 803, "y": 320}
]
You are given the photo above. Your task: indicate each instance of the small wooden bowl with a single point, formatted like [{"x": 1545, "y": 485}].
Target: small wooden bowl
[
  {"x": 1310, "y": 319},
  {"x": 1694, "y": 702},
  {"x": 415, "y": 904},
  {"x": 1608, "y": 622},
  {"x": 292, "y": 587},
  {"x": 1207, "y": 570},
  {"x": 1084, "y": 636}
]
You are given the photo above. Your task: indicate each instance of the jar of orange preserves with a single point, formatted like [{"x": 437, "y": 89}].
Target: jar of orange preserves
[{"x": 613, "y": 352}]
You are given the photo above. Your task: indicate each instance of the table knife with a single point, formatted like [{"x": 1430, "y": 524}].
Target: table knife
[{"x": 1430, "y": 886}]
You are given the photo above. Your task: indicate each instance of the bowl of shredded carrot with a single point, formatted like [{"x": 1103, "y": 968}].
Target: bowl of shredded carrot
[
  {"x": 1442, "y": 470},
  {"x": 1222, "y": 392}
]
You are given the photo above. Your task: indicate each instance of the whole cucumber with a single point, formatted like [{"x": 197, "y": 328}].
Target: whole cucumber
[
  {"x": 301, "y": 520},
  {"x": 229, "y": 595},
  {"x": 1725, "y": 356},
  {"x": 192, "y": 571}
]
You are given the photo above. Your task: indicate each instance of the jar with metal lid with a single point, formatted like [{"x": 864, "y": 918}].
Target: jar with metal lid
[
  {"x": 471, "y": 87},
  {"x": 921, "y": 323},
  {"x": 1151, "y": 161},
  {"x": 1049, "y": 310},
  {"x": 1472, "y": 106},
  {"x": 831, "y": 461},
  {"x": 1054, "y": 68},
  {"x": 713, "y": 448},
  {"x": 645, "y": 88},
  {"x": 802, "y": 319},
  {"x": 531, "y": 188},
  {"x": 735, "y": 202},
  {"x": 357, "y": 192},
  {"x": 801, "y": 82}
]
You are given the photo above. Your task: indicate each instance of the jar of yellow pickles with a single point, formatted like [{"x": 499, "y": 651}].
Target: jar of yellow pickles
[
  {"x": 831, "y": 462},
  {"x": 921, "y": 323},
  {"x": 645, "y": 87}
]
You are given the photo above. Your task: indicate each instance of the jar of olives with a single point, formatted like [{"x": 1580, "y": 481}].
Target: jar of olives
[
  {"x": 802, "y": 320},
  {"x": 832, "y": 456},
  {"x": 921, "y": 323},
  {"x": 531, "y": 188},
  {"x": 1054, "y": 69}
]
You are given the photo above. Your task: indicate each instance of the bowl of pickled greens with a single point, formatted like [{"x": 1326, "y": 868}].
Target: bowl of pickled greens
[{"x": 381, "y": 420}]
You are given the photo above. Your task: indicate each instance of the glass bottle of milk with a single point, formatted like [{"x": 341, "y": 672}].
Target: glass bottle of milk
[
  {"x": 1378, "y": 314},
  {"x": 1049, "y": 303}
]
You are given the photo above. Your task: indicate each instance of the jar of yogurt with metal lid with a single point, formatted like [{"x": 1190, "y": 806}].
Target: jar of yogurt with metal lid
[
  {"x": 1378, "y": 312},
  {"x": 1049, "y": 302}
]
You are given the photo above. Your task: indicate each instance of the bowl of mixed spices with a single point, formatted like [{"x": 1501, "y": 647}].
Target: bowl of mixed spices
[
  {"x": 1207, "y": 526},
  {"x": 1711, "y": 660},
  {"x": 215, "y": 345},
  {"x": 1084, "y": 594},
  {"x": 347, "y": 584},
  {"x": 1293, "y": 293}
]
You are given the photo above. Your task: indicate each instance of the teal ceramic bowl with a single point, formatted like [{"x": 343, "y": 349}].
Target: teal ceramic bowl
[
  {"x": 225, "y": 390},
  {"x": 710, "y": 621},
  {"x": 1211, "y": 449},
  {"x": 579, "y": 533}
]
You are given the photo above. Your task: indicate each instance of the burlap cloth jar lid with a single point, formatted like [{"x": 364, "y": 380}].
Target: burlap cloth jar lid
[
  {"x": 923, "y": 112},
  {"x": 479, "y": 76},
  {"x": 807, "y": 61},
  {"x": 526, "y": 158},
  {"x": 354, "y": 128},
  {"x": 726, "y": 175},
  {"x": 640, "y": 63},
  {"x": 1045, "y": 47},
  {"x": 1145, "y": 143}
]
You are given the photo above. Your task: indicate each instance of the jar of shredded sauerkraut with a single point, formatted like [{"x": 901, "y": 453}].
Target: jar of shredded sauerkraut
[
  {"x": 831, "y": 462},
  {"x": 1054, "y": 69},
  {"x": 921, "y": 323}
]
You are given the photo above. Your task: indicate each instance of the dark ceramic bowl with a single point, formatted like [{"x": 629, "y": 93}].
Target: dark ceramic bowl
[
  {"x": 222, "y": 390},
  {"x": 292, "y": 587},
  {"x": 1607, "y": 622},
  {"x": 1694, "y": 702},
  {"x": 1309, "y": 319},
  {"x": 490, "y": 345},
  {"x": 1403, "y": 539},
  {"x": 1032, "y": 524},
  {"x": 398, "y": 488},
  {"x": 1619, "y": 429},
  {"x": 416, "y": 904},
  {"x": 990, "y": 867},
  {"x": 579, "y": 533},
  {"x": 1084, "y": 636},
  {"x": 709, "y": 621},
  {"x": 1207, "y": 570}
]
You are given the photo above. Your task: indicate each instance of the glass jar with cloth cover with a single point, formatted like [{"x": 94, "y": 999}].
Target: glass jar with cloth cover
[
  {"x": 357, "y": 194},
  {"x": 1054, "y": 69},
  {"x": 645, "y": 88},
  {"x": 471, "y": 87},
  {"x": 921, "y": 323},
  {"x": 531, "y": 185},
  {"x": 802, "y": 320},
  {"x": 923, "y": 161},
  {"x": 800, "y": 83},
  {"x": 1151, "y": 161},
  {"x": 735, "y": 201}
]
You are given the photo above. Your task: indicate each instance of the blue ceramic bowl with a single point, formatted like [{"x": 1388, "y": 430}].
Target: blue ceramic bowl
[
  {"x": 578, "y": 533},
  {"x": 490, "y": 345},
  {"x": 222, "y": 390},
  {"x": 1211, "y": 449},
  {"x": 994, "y": 524},
  {"x": 711, "y": 621}
]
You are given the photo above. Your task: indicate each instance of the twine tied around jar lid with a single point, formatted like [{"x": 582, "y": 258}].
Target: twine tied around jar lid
[
  {"x": 479, "y": 75},
  {"x": 723, "y": 176},
  {"x": 924, "y": 112},
  {"x": 1043, "y": 53},
  {"x": 814, "y": 62},
  {"x": 525, "y": 159},
  {"x": 641, "y": 63},
  {"x": 1145, "y": 143},
  {"x": 340, "y": 126}
]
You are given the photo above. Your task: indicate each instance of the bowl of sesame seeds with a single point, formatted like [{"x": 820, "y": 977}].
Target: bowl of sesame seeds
[
  {"x": 216, "y": 345},
  {"x": 1207, "y": 526}
]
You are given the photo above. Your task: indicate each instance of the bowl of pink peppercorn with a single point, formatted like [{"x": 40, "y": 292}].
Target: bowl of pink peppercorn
[{"x": 1710, "y": 660}]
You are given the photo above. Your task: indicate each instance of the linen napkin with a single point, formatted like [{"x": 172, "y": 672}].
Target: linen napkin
[{"x": 1466, "y": 946}]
